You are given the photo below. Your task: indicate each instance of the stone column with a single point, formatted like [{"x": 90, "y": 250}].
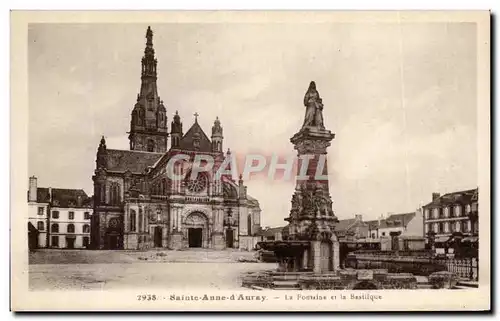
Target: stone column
[
  {"x": 179, "y": 220},
  {"x": 164, "y": 236},
  {"x": 176, "y": 234},
  {"x": 336, "y": 255},
  {"x": 316, "y": 255},
  {"x": 305, "y": 259}
]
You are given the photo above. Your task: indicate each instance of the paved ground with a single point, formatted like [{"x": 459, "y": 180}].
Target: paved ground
[
  {"x": 92, "y": 257},
  {"x": 95, "y": 270}
]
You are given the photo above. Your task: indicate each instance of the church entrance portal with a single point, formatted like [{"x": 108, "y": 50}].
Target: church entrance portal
[
  {"x": 114, "y": 241},
  {"x": 195, "y": 228},
  {"x": 195, "y": 237},
  {"x": 158, "y": 236}
]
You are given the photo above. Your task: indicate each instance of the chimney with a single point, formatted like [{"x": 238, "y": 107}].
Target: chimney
[
  {"x": 50, "y": 194},
  {"x": 435, "y": 196},
  {"x": 32, "y": 192}
]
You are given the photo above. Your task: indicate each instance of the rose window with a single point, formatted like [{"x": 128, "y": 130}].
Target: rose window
[{"x": 197, "y": 185}]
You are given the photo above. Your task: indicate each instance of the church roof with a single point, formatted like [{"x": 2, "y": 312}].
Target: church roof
[
  {"x": 187, "y": 139},
  {"x": 253, "y": 201},
  {"x": 132, "y": 160}
]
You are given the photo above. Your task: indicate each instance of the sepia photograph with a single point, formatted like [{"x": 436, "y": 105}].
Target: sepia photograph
[{"x": 251, "y": 161}]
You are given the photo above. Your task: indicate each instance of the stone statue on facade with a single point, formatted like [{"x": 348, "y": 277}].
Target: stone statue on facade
[{"x": 314, "y": 108}]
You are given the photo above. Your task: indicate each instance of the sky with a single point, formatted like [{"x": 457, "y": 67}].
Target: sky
[{"x": 400, "y": 98}]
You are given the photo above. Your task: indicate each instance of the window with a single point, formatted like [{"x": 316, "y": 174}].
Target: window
[
  {"x": 55, "y": 214},
  {"x": 85, "y": 241},
  {"x": 71, "y": 215},
  {"x": 140, "y": 219},
  {"x": 469, "y": 226},
  {"x": 446, "y": 227},
  {"x": 55, "y": 241},
  {"x": 426, "y": 228},
  {"x": 249, "y": 222},
  {"x": 40, "y": 226},
  {"x": 86, "y": 216},
  {"x": 465, "y": 226},
  {"x": 115, "y": 194},
  {"x": 383, "y": 233},
  {"x": 452, "y": 227},
  {"x": 468, "y": 209},
  {"x": 457, "y": 211},
  {"x": 41, "y": 211},
  {"x": 102, "y": 195},
  {"x": 373, "y": 235},
  {"x": 441, "y": 212},
  {"x": 435, "y": 213},
  {"x": 86, "y": 228},
  {"x": 151, "y": 145},
  {"x": 54, "y": 228},
  {"x": 446, "y": 212},
  {"x": 457, "y": 227},
  {"x": 71, "y": 228},
  {"x": 427, "y": 214},
  {"x": 132, "y": 218},
  {"x": 436, "y": 228}
]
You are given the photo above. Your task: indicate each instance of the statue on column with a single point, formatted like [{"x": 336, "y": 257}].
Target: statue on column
[{"x": 314, "y": 108}]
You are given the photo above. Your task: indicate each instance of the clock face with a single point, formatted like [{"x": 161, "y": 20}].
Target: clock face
[{"x": 197, "y": 185}]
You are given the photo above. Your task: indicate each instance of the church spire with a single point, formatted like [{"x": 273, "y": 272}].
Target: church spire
[
  {"x": 148, "y": 127},
  {"x": 149, "y": 61}
]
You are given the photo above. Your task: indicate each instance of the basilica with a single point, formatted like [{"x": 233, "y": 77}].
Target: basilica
[{"x": 139, "y": 206}]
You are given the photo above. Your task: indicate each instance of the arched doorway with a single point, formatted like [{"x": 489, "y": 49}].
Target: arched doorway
[{"x": 196, "y": 230}]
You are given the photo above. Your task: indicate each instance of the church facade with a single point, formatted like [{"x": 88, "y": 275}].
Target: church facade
[{"x": 138, "y": 205}]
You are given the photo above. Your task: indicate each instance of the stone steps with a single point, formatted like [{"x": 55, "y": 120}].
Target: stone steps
[{"x": 285, "y": 285}]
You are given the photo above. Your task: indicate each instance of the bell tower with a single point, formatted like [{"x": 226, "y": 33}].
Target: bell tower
[
  {"x": 148, "y": 126},
  {"x": 217, "y": 136}
]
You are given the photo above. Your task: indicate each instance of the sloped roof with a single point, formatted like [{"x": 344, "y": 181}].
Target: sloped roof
[
  {"x": 135, "y": 161},
  {"x": 459, "y": 197},
  {"x": 343, "y": 225},
  {"x": 403, "y": 217},
  {"x": 394, "y": 220},
  {"x": 187, "y": 140},
  {"x": 372, "y": 223},
  {"x": 253, "y": 201},
  {"x": 271, "y": 231},
  {"x": 42, "y": 195},
  {"x": 63, "y": 197}
]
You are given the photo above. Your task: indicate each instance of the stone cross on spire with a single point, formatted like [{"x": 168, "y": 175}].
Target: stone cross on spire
[{"x": 196, "y": 117}]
